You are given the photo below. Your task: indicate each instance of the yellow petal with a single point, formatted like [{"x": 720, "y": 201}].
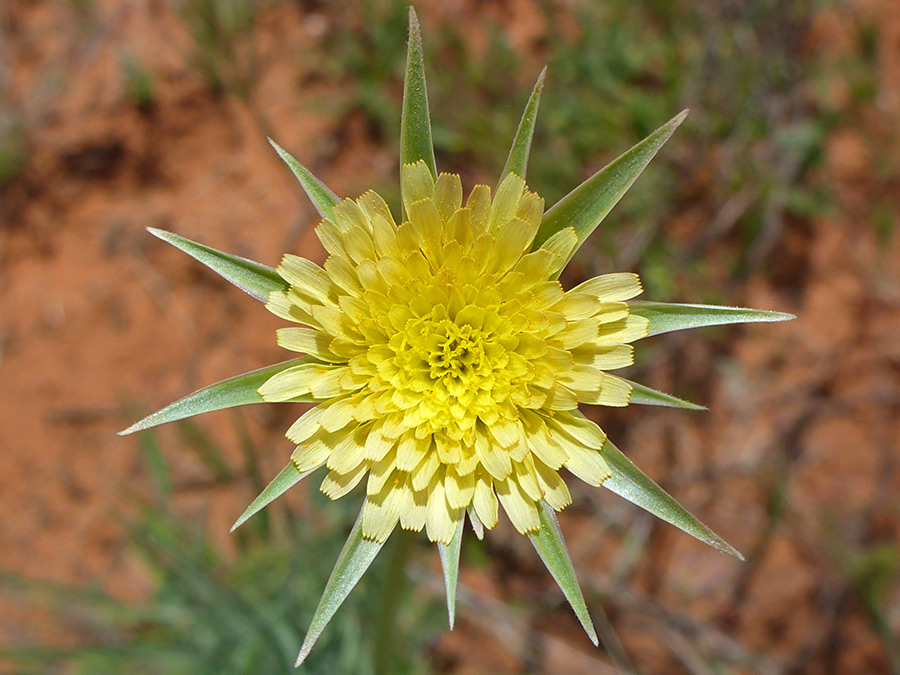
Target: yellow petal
[
  {"x": 485, "y": 501},
  {"x": 310, "y": 455},
  {"x": 413, "y": 508},
  {"x": 612, "y": 287},
  {"x": 440, "y": 518},
  {"x": 375, "y": 207},
  {"x": 604, "y": 357},
  {"x": 579, "y": 428},
  {"x": 613, "y": 391},
  {"x": 381, "y": 513},
  {"x": 306, "y": 275},
  {"x": 447, "y": 194},
  {"x": 348, "y": 452},
  {"x": 479, "y": 205},
  {"x": 306, "y": 341},
  {"x": 626, "y": 330},
  {"x": 521, "y": 509},
  {"x": 587, "y": 464},
  {"x": 556, "y": 493},
  {"x": 336, "y": 485},
  {"x": 504, "y": 206},
  {"x": 416, "y": 183},
  {"x": 297, "y": 381},
  {"x": 459, "y": 489}
]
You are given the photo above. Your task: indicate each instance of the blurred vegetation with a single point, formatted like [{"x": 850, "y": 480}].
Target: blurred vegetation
[
  {"x": 13, "y": 151},
  {"x": 224, "y": 52},
  {"x": 138, "y": 81},
  {"x": 213, "y": 611}
]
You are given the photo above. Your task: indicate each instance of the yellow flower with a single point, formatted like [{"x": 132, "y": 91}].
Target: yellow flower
[
  {"x": 447, "y": 361},
  {"x": 452, "y": 358}
]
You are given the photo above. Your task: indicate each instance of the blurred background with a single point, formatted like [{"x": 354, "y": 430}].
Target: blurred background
[{"x": 780, "y": 191}]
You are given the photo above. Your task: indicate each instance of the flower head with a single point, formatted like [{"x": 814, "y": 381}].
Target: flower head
[
  {"x": 446, "y": 360},
  {"x": 450, "y": 359}
]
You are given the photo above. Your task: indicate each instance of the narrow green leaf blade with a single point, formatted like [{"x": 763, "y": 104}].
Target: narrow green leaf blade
[
  {"x": 550, "y": 545},
  {"x": 666, "y": 317},
  {"x": 319, "y": 193},
  {"x": 587, "y": 205},
  {"x": 235, "y": 391},
  {"x": 415, "y": 121},
  {"x": 644, "y": 395},
  {"x": 450, "y": 565},
  {"x": 630, "y": 482},
  {"x": 251, "y": 277},
  {"x": 517, "y": 161},
  {"x": 284, "y": 481},
  {"x": 352, "y": 563}
]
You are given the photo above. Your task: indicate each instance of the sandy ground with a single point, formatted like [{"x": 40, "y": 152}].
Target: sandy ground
[{"x": 96, "y": 316}]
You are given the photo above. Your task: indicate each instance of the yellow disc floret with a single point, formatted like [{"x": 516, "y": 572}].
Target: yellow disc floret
[{"x": 448, "y": 360}]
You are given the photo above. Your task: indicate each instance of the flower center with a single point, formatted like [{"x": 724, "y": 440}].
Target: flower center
[
  {"x": 450, "y": 368},
  {"x": 454, "y": 353}
]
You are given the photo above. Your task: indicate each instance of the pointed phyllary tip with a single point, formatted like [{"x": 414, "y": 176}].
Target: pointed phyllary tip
[
  {"x": 245, "y": 516},
  {"x": 304, "y": 652},
  {"x": 415, "y": 33}
]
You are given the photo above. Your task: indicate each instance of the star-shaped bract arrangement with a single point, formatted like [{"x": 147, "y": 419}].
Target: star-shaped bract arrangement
[{"x": 446, "y": 360}]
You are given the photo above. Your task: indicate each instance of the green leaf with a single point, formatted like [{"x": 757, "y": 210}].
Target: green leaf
[
  {"x": 517, "y": 162},
  {"x": 643, "y": 395},
  {"x": 251, "y": 277},
  {"x": 352, "y": 563},
  {"x": 283, "y": 482},
  {"x": 450, "y": 565},
  {"x": 665, "y": 317},
  {"x": 319, "y": 194},
  {"x": 415, "y": 122},
  {"x": 235, "y": 391},
  {"x": 550, "y": 545},
  {"x": 587, "y": 205},
  {"x": 630, "y": 482}
]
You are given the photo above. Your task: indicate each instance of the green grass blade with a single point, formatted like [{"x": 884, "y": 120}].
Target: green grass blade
[
  {"x": 450, "y": 565},
  {"x": 517, "y": 162},
  {"x": 644, "y": 395},
  {"x": 550, "y": 545},
  {"x": 199, "y": 442},
  {"x": 352, "y": 563},
  {"x": 415, "y": 121},
  {"x": 587, "y": 205},
  {"x": 151, "y": 452},
  {"x": 666, "y": 317},
  {"x": 319, "y": 193},
  {"x": 235, "y": 391},
  {"x": 284, "y": 481},
  {"x": 630, "y": 482},
  {"x": 251, "y": 277}
]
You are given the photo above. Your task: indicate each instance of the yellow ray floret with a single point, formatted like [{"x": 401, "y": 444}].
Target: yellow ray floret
[{"x": 449, "y": 361}]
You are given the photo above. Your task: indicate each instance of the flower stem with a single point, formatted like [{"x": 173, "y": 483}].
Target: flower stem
[{"x": 392, "y": 595}]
